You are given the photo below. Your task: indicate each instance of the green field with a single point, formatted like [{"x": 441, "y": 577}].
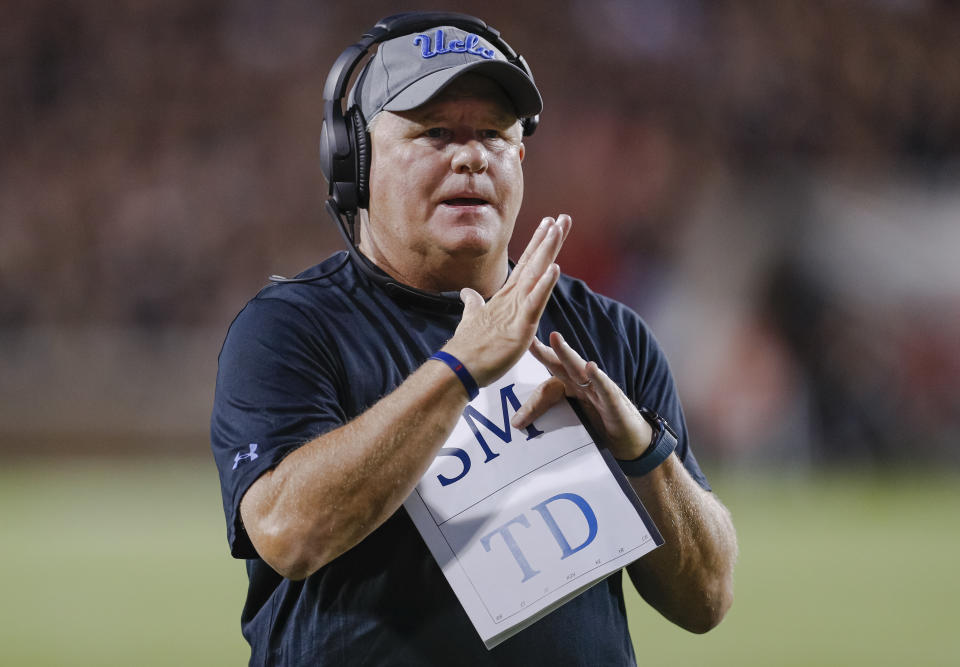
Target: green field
[{"x": 112, "y": 563}]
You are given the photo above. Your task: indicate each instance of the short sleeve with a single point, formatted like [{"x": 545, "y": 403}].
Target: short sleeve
[
  {"x": 277, "y": 388},
  {"x": 654, "y": 388}
]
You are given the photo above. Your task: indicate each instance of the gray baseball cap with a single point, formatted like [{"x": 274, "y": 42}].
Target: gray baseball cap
[{"x": 408, "y": 71}]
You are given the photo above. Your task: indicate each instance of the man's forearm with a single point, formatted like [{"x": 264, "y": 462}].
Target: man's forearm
[
  {"x": 690, "y": 578},
  {"x": 332, "y": 492}
]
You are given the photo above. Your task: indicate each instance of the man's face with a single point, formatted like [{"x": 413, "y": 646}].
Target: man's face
[{"x": 445, "y": 178}]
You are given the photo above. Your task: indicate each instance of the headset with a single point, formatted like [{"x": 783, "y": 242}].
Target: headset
[
  {"x": 344, "y": 143},
  {"x": 345, "y": 147}
]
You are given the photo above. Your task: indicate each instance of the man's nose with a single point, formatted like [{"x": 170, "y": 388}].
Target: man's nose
[{"x": 470, "y": 158}]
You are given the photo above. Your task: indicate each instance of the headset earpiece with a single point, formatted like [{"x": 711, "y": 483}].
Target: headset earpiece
[
  {"x": 337, "y": 157},
  {"x": 361, "y": 146}
]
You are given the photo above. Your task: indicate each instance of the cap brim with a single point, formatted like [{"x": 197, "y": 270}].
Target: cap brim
[{"x": 517, "y": 85}]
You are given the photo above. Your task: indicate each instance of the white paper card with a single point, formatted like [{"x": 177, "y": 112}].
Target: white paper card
[{"x": 521, "y": 521}]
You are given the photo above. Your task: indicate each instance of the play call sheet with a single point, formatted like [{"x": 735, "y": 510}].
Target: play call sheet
[{"x": 520, "y": 521}]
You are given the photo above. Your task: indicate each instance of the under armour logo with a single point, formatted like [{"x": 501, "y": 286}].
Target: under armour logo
[{"x": 246, "y": 456}]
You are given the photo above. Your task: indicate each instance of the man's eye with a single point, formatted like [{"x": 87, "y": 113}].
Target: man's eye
[
  {"x": 437, "y": 133},
  {"x": 490, "y": 134}
]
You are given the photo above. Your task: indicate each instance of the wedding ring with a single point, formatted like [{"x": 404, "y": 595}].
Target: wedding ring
[{"x": 585, "y": 384}]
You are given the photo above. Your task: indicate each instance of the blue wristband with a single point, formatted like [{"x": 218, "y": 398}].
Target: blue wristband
[{"x": 462, "y": 373}]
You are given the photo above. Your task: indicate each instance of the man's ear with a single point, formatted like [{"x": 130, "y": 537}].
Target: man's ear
[{"x": 523, "y": 151}]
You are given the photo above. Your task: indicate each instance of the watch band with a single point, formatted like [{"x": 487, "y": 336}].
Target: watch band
[{"x": 663, "y": 443}]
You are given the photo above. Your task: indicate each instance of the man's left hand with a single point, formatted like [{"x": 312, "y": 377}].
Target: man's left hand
[{"x": 625, "y": 431}]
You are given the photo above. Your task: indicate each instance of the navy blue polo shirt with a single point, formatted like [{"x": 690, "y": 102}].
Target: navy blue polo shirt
[{"x": 304, "y": 358}]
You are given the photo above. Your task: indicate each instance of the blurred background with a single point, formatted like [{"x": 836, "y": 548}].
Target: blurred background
[{"x": 773, "y": 186}]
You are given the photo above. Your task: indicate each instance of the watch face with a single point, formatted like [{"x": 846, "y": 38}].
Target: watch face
[
  {"x": 652, "y": 417},
  {"x": 657, "y": 422}
]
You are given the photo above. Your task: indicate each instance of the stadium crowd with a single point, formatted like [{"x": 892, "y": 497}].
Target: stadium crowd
[{"x": 769, "y": 184}]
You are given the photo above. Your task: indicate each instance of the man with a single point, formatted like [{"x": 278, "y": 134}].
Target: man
[{"x": 329, "y": 407}]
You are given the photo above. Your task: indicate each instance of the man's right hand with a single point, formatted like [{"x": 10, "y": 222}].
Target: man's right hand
[
  {"x": 329, "y": 494},
  {"x": 493, "y": 335}
]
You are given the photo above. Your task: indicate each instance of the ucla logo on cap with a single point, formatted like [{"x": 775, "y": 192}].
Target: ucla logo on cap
[{"x": 430, "y": 47}]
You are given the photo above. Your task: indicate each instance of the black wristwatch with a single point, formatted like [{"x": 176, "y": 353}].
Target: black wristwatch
[{"x": 661, "y": 446}]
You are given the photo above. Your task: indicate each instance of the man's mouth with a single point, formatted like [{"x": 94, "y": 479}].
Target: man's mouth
[{"x": 465, "y": 201}]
